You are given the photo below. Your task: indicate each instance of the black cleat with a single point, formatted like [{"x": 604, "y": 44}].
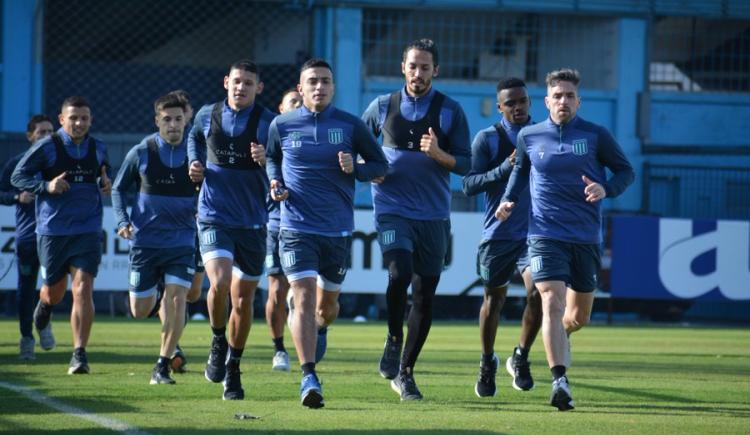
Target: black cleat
[
  {"x": 178, "y": 362},
  {"x": 405, "y": 386},
  {"x": 216, "y": 368},
  {"x": 390, "y": 361},
  {"x": 160, "y": 375},
  {"x": 41, "y": 317},
  {"x": 561, "y": 396},
  {"x": 233, "y": 384},
  {"x": 79, "y": 364},
  {"x": 519, "y": 367},
  {"x": 485, "y": 386}
]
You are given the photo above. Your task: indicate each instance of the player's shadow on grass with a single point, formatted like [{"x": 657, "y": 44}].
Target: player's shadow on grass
[
  {"x": 656, "y": 401},
  {"x": 252, "y": 425}
]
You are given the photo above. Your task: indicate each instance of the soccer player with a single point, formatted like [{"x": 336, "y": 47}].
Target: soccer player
[
  {"x": 278, "y": 285},
  {"x": 27, "y": 261},
  {"x": 161, "y": 227},
  {"x": 425, "y": 138},
  {"x": 226, "y": 152},
  {"x": 69, "y": 218},
  {"x": 313, "y": 162},
  {"x": 564, "y": 160},
  {"x": 178, "y": 360},
  {"x": 503, "y": 245}
]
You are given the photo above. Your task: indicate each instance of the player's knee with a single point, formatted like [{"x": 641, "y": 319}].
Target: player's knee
[{"x": 493, "y": 301}]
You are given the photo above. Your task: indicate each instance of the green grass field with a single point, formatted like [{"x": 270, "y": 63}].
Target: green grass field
[{"x": 663, "y": 380}]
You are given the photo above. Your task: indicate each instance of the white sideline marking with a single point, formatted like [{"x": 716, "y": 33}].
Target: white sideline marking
[{"x": 106, "y": 422}]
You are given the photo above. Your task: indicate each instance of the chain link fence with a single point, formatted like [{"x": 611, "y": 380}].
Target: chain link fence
[{"x": 123, "y": 55}]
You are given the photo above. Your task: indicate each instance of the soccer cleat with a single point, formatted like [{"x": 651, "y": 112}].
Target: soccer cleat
[
  {"x": 233, "y": 383},
  {"x": 178, "y": 362},
  {"x": 290, "y": 305},
  {"x": 216, "y": 368},
  {"x": 160, "y": 375},
  {"x": 389, "y": 362},
  {"x": 281, "y": 361},
  {"x": 310, "y": 392},
  {"x": 46, "y": 338},
  {"x": 79, "y": 364},
  {"x": 405, "y": 386},
  {"x": 561, "y": 396},
  {"x": 519, "y": 367},
  {"x": 485, "y": 386},
  {"x": 26, "y": 349},
  {"x": 41, "y": 316},
  {"x": 321, "y": 345}
]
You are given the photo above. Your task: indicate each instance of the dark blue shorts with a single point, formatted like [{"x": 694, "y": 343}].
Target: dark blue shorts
[
  {"x": 58, "y": 253},
  {"x": 246, "y": 247},
  {"x": 149, "y": 265},
  {"x": 273, "y": 262},
  {"x": 426, "y": 240},
  {"x": 497, "y": 260},
  {"x": 199, "y": 268},
  {"x": 574, "y": 263},
  {"x": 305, "y": 255}
]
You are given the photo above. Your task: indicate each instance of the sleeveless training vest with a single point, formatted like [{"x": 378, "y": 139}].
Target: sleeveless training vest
[
  {"x": 233, "y": 152},
  {"x": 85, "y": 170},
  {"x": 160, "y": 179},
  {"x": 405, "y": 135}
]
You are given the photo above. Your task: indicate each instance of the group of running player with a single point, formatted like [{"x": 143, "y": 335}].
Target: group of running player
[{"x": 275, "y": 192}]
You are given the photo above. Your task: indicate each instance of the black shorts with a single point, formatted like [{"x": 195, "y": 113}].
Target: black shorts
[
  {"x": 426, "y": 240},
  {"x": 58, "y": 253},
  {"x": 574, "y": 263}
]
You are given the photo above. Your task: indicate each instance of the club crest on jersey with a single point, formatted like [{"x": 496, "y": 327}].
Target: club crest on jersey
[
  {"x": 580, "y": 147},
  {"x": 295, "y": 138},
  {"x": 335, "y": 136}
]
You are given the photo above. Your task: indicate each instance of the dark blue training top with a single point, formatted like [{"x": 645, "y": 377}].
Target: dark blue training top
[
  {"x": 416, "y": 186},
  {"x": 25, "y": 220},
  {"x": 490, "y": 171},
  {"x": 303, "y": 149},
  {"x": 77, "y": 211},
  {"x": 234, "y": 191},
  {"x": 163, "y": 215},
  {"x": 553, "y": 160}
]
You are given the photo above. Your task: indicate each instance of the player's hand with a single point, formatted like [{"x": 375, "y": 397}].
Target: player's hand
[
  {"x": 278, "y": 192},
  {"x": 196, "y": 171},
  {"x": 378, "y": 180},
  {"x": 104, "y": 182},
  {"x": 504, "y": 210},
  {"x": 512, "y": 158},
  {"x": 58, "y": 184},
  {"x": 346, "y": 162},
  {"x": 258, "y": 153},
  {"x": 428, "y": 144},
  {"x": 126, "y": 232},
  {"x": 594, "y": 191},
  {"x": 26, "y": 197}
]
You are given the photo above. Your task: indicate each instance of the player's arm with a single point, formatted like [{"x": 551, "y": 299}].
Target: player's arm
[
  {"x": 460, "y": 145},
  {"x": 34, "y": 161},
  {"x": 274, "y": 157},
  {"x": 373, "y": 116},
  {"x": 196, "y": 144},
  {"x": 127, "y": 177},
  {"x": 105, "y": 169},
  {"x": 366, "y": 146},
  {"x": 611, "y": 155},
  {"x": 518, "y": 180},
  {"x": 8, "y": 194},
  {"x": 483, "y": 176}
]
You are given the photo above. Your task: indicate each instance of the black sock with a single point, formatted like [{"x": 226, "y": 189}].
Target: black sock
[
  {"x": 524, "y": 353},
  {"x": 487, "y": 358},
  {"x": 278, "y": 344},
  {"x": 557, "y": 372},
  {"x": 163, "y": 361},
  {"x": 399, "y": 264},
  {"x": 219, "y": 332},
  {"x": 308, "y": 368},
  {"x": 79, "y": 350},
  {"x": 420, "y": 317},
  {"x": 235, "y": 355}
]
